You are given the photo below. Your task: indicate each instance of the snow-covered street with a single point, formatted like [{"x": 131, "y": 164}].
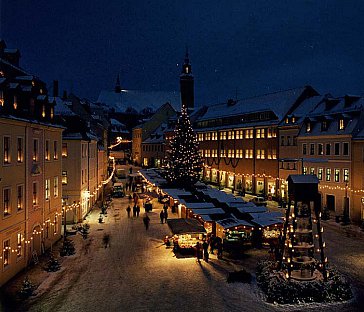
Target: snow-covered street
[{"x": 138, "y": 273}]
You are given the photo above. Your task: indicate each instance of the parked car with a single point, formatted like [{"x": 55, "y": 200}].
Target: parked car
[
  {"x": 118, "y": 190},
  {"x": 259, "y": 201}
]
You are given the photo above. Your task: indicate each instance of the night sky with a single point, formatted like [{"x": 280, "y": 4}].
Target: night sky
[{"x": 243, "y": 47}]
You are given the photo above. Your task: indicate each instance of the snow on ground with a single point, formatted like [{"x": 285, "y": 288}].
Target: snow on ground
[{"x": 138, "y": 273}]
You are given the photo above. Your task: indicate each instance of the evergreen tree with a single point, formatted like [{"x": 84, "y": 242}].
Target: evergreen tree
[{"x": 183, "y": 161}]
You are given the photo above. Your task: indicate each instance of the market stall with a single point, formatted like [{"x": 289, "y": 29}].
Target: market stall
[{"x": 186, "y": 234}]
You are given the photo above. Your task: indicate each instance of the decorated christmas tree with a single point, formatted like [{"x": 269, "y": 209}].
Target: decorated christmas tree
[{"x": 183, "y": 160}]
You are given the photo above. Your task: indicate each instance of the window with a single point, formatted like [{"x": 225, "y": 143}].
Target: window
[
  {"x": 337, "y": 175},
  {"x": 214, "y": 153},
  {"x": 214, "y": 136},
  {"x": 19, "y": 244},
  {"x": 35, "y": 150},
  {"x": 6, "y": 201},
  {"x": 304, "y": 170},
  {"x": 239, "y": 134},
  {"x": 324, "y": 125},
  {"x": 239, "y": 153},
  {"x": 328, "y": 174},
  {"x": 231, "y": 135},
  {"x": 271, "y": 133},
  {"x": 65, "y": 149},
  {"x": 294, "y": 140},
  {"x": 6, "y": 252},
  {"x": 20, "y": 197},
  {"x": 249, "y": 153},
  {"x": 328, "y": 149},
  {"x": 223, "y": 153},
  {"x": 20, "y": 151},
  {"x": 231, "y": 153},
  {"x": 47, "y": 151},
  {"x": 288, "y": 141},
  {"x": 341, "y": 124},
  {"x": 337, "y": 149},
  {"x": 249, "y": 134},
  {"x": 6, "y": 147},
  {"x": 55, "y": 186},
  {"x": 199, "y": 136},
  {"x": 82, "y": 176},
  {"x": 35, "y": 193},
  {"x": 55, "y": 225},
  {"x": 208, "y": 136},
  {"x": 304, "y": 149},
  {"x": 15, "y": 102},
  {"x": 319, "y": 173},
  {"x": 320, "y": 148},
  {"x": 223, "y": 135},
  {"x": 308, "y": 127},
  {"x": 260, "y": 134},
  {"x": 312, "y": 149},
  {"x": 1, "y": 98},
  {"x": 47, "y": 188},
  {"x": 260, "y": 154},
  {"x": 55, "y": 150},
  {"x": 282, "y": 140},
  {"x": 312, "y": 170},
  {"x": 293, "y": 119},
  {"x": 272, "y": 154},
  {"x": 346, "y": 175},
  {"x": 345, "y": 148}
]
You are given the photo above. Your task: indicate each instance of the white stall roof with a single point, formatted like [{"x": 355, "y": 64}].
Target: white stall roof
[
  {"x": 210, "y": 211},
  {"x": 199, "y": 205},
  {"x": 232, "y": 222},
  {"x": 266, "y": 219}
]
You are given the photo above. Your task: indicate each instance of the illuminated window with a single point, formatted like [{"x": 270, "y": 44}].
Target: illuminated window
[
  {"x": 249, "y": 153},
  {"x": 231, "y": 135},
  {"x": 223, "y": 135},
  {"x": 328, "y": 174},
  {"x": 55, "y": 150},
  {"x": 272, "y": 154},
  {"x": 239, "y": 153},
  {"x": 319, "y": 173},
  {"x": 214, "y": 153},
  {"x": 231, "y": 153},
  {"x": 15, "y": 103},
  {"x": 249, "y": 134},
  {"x": 341, "y": 124},
  {"x": 287, "y": 120},
  {"x": 199, "y": 136},
  {"x": 214, "y": 136},
  {"x": 35, "y": 193},
  {"x": 6, "y": 252},
  {"x": 6, "y": 147},
  {"x": 208, "y": 136},
  {"x": 64, "y": 178},
  {"x": 47, "y": 151},
  {"x": 260, "y": 134},
  {"x": 35, "y": 150},
  {"x": 239, "y": 134},
  {"x": 47, "y": 188},
  {"x": 1, "y": 98},
  {"x": 223, "y": 153},
  {"x": 304, "y": 170},
  {"x": 43, "y": 111},
  {"x": 293, "y": 119},
  {"x": 52, "y": 112},
  {"x": 271, "y": 133},
  {"x": 55, "y": 186},
  {"x": 6, "y": 201},
  {"x": 65, "y": 149},
  {"x": 308, "y": 127},
  {"x": 20, "y": 197},
  {"x": 19, "y": 243},
  {"x": 346, "y": 175},
  {"x": 20, "y": 151},
  {"x": 337, "y": 175},
  {"x": 260, "y": 154},
  {"x": 312, "y": 170}
]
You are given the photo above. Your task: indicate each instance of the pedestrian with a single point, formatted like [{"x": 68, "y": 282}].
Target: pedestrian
[
  {"x": 106, "y": 240},
  {"x": 134, "y": 211},
  {"x": 198, "y": 251},
  {"x": 165, "y": 216},
  {"x": 137, "y": 211},
  {"x": 161, "y": 215},
  {"x": 146, "y": 221},
  {"x": 128, "y": 211},
  {"x": 205, "y": 247}
]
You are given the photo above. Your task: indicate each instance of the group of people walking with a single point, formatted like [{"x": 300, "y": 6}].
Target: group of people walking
[
  {"x": 136, "y": 211},
  {"x": 202, "y": 249},
  {"x": 163, "y": 216}
]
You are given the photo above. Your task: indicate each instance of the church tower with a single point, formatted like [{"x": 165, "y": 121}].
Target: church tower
[{"x": 187, "y": 85}]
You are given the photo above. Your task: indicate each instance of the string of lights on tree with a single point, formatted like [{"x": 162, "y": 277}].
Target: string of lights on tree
[{"x": 183, "y": 160}]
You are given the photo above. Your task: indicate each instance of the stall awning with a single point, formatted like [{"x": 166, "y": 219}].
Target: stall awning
[
  {"x": 185, "y": 226},
  {"x": 198, "y": 205},
  {"x": 232, "y": 222},
  {"x": 210, "y": 211},
  {"x": 266, "y": 219}
]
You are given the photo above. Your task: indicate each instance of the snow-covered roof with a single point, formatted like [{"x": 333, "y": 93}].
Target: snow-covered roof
[
  {"x": 266, "y": 219},
  {"x": 185, "y": 226},
  {"x": 278, "y": 102},
  {"x": 209, "y": 211},
  {"x": 61, "y": 107},
  {"x": 138, "y": 100},
  {"x": 233, "y": 222},
  {"x": 198, "y": 205},
  {"x": 115, "y": 122},
  {"x": 250, "y": 207}
]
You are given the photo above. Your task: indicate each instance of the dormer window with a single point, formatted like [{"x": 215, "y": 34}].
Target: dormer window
[
  {"x": 15, "y": 104},
  {"x": 1, "y": 98},
  {"x": 287, "y": 120},
  {"x": 186, "y": 70},
  {"x": 324, "y": 125},
  {"x": 308, "y": 127},
  {"x": 341, "y": 124}
]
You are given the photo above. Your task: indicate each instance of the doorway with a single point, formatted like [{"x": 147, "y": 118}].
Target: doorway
[{"x": 330, "y": 202}]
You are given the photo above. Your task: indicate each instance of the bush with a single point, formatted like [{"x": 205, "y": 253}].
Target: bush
[
  {"x": 52, "y": 265},
  {"x": 68, "y": 248},
  {"x": 27, "y": 289},
  {"x": 283, "y": 291}
]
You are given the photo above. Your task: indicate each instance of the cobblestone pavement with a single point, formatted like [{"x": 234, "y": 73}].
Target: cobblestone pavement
[{"x": 136, "y": 272}]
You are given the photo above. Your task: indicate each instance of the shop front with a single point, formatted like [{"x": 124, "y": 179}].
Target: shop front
[
  {"x": 248, "y": 185},
  {"x": 208, "y": 175},
  {"x": 259, "y": 186},
  {"x": 214, "y": 176},
  {"x": 271, "y": 188},
  {"x": 230, "y": 183}
]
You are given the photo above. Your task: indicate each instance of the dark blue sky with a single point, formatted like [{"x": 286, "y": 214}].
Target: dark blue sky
[{"x": 252, "y": 46}]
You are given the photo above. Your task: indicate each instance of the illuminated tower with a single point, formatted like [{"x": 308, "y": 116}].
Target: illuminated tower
[{"x": 187, "y": 85}]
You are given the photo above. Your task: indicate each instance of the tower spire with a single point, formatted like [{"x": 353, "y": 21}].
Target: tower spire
[
  {"x": 187, "y": 84},
  {"x": 117, "y": 85}
]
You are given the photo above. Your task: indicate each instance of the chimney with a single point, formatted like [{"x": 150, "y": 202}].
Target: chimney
[{"x": 55, "y": 88}]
